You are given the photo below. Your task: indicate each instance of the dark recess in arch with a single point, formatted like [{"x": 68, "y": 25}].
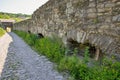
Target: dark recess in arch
[
  {"x": 29, "y": 31},
  {"x": 39, "y": 35},
  {"x": 94, "y": 52}
]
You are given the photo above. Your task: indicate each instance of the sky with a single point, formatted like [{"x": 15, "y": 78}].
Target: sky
[{"x": 20, "y": 6}]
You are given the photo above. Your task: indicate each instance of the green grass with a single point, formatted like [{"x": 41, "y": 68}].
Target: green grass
[
  {"x": 78, "y": 69},
  {"x": 2, "y": 32}
]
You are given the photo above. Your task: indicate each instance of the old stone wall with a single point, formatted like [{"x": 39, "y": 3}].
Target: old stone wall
[{"x": 93, "y": 21}]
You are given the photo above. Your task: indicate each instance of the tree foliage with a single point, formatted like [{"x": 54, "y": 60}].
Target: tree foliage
[{"x": 16, "y": 17}]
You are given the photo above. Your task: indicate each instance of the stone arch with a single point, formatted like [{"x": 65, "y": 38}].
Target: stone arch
[{"x": 94, "y": 51}]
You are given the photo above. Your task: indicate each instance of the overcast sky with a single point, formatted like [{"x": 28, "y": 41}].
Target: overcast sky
[{"x": 20, "y": 6}]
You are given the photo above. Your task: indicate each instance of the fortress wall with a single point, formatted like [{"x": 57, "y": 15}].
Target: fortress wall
[{"x": 94, "y": 21}]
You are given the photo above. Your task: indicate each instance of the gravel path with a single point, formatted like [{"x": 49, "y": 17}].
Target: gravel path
[{"x": 22, "y": 63}]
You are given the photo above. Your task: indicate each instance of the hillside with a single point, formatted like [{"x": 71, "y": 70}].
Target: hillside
[{"x": 16, "y": 17}]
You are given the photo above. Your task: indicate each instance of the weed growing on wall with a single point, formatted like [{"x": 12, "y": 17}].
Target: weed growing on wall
[
  {"x": 86, "y": 55},
  {"x": 78, "y": 69}
]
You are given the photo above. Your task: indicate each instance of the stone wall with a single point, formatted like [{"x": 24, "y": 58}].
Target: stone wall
[{"x": 94, "y": 21}]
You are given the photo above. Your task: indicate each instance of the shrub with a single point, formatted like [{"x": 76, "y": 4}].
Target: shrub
[
  {"x": 2, "y": 32},
  {"x": 86, "y": 55},
  {"x": 50, "y": 48}
]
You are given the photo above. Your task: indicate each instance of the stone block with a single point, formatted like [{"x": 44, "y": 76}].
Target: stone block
[
  {"x": 91, "y": 0},
  {"x": 108, "y": 19},
  {"x": 101, "y": 10},
  {"x": 100, "y": 5},
  {"x": 69, "y": 4},
  {"x": 109, "y": 5},
  {"x": 72, "y": 34},
  {"x": 69, "y": 10},
  {"x": 91, "y": 5},
  {"x": 91, "y": 10},
  {"x": 118, "y": 3},
  {"x": 83, "y": 37},
  {"x": 79, "y": 36},
  {"x": 92, "y": 15},
  {"x": 116, "y": 18},
  {"x": 104, "y": 26},
  {"x": 100, "y": 14}
]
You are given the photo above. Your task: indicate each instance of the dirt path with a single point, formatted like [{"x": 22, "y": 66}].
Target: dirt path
[{"x": 22, "y": 63}]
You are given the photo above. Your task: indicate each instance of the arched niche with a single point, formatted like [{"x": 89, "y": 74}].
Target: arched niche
[{"x": 94, "y": 51}]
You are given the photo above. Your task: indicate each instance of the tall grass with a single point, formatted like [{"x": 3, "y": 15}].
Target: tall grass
[
  {"x": 52, "y": 48},
  {"x": 78, "y": 69},
  {"x": 2, "y": 32}
]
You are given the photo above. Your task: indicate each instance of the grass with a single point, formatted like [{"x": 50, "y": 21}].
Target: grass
[
  {"x": 78, "y": 69},
  {"x": 2, "y": 32}
]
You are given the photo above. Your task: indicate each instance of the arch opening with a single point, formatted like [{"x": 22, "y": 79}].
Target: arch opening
[
  {"x": 29, "y": 31},
  {"x": 39, "y": 35},
  {"x": 94, "y": 52}
]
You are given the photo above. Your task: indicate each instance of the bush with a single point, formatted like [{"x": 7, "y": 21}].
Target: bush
[
  {"x": 50, "y": 48},
  {"x": 2, "y": 32}
]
